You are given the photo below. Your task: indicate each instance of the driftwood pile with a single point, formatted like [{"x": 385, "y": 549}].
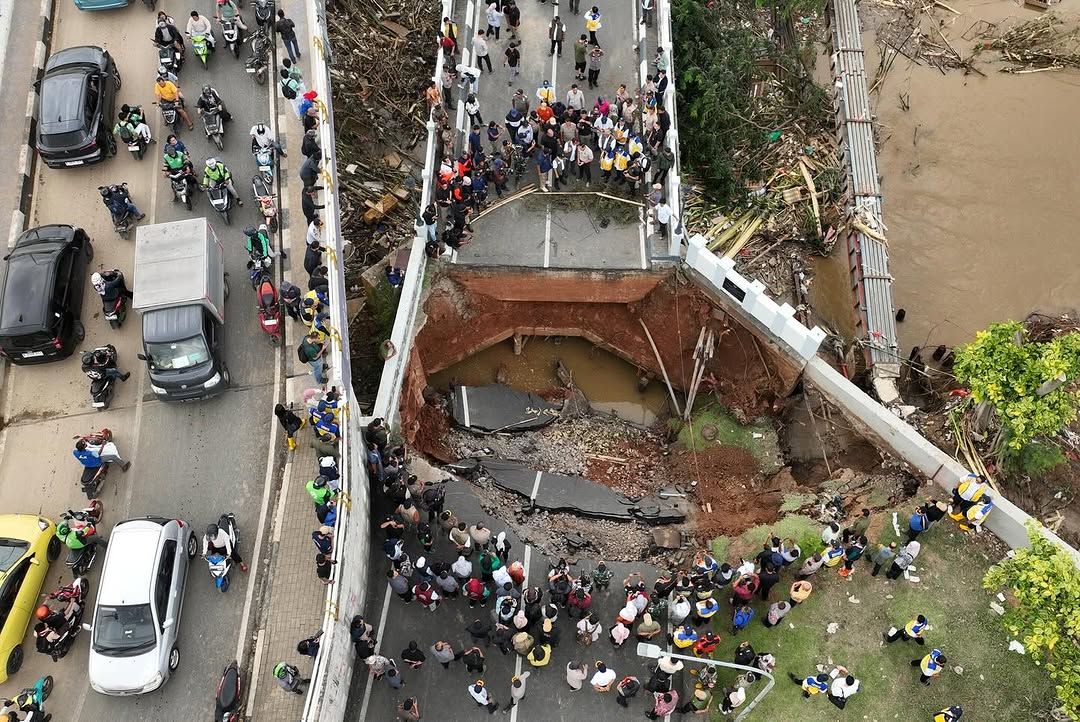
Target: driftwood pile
[
  {"x": 1036, "y": 46},
  {"x": 916, "y": 30},
  {"x": 383, "y": 56}
]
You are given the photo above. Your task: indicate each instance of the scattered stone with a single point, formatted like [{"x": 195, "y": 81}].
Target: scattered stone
[
  {"x": 1000, "y": 610},
  {"x": 708, "y": 432},
  {"x": 833, "y": 628},
  {"x": 958, "y": 669},
  {"x": 854, "y": 600},
  {"x": 888, "y": 596},
  {"x": 1000, "y": 597}
]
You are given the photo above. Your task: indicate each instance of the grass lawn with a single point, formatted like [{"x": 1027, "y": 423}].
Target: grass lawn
[
  {"x": 759, "y": 438},
  {"x": 995, "y": 684}
]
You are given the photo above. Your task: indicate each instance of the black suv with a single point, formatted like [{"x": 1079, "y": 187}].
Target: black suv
[
  {"x": 42, "y": 294},
  {"x": 75, "y": 107}
]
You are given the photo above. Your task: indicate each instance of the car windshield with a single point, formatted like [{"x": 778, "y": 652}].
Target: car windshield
[
  {"x": 11, "y": 551},
  {"x": 120, "y": 631},
  {"x": 178, "y": 354}
]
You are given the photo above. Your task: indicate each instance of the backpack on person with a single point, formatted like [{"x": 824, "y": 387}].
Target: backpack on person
[
  {"x": 302, "y": 353},
  {"x": 288, "y": 88}
]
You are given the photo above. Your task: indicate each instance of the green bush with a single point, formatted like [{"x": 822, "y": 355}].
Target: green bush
[{"x": 1034, "y": 460}]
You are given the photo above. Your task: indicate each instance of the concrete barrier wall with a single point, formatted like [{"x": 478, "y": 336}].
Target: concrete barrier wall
[
  {"x": 674, "y": 177},
  {"x": 750, "y": 297},
  {"x": 889, "y": 431}
]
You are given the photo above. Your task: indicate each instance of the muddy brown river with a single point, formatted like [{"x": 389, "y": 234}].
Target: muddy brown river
[{"x": 980, "y": 184}]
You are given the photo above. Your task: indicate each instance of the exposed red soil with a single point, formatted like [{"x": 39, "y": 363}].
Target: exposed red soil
[{"x": 644, "y": 470}]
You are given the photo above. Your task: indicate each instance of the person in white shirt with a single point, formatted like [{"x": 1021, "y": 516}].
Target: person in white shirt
[
  {"x": 481, "y": 696},
  {"x": 619, "y": 634},
  {"x": 830, "y": 533},
  {"x": 589, "y": 627},
  {"x": 842, "y": 687},
  {"x": 663, "y": 217},
  {"x": 575, "y": 99},
  {"x": 198, "y": 25},
  {"x": 734, "y": 699},
  {"x": 480, "y": 50},
  {"x": 462, "y": 568},
  {"x": 603, "y": 678}
]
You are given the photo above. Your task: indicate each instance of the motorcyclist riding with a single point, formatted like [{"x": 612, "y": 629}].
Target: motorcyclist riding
[
  {"x": 230, "y": 10},
  {"x": 217, "y": 541},
  {"x": 130, "y": 126},
  {"x": 166, "y": 34},
  {"x": 174, "y": 159},
  {"x": 118, "y": 201},
  {"x": 169, "y": 92},
  {"x": 92, "y": 456},
  {"x": 76, "y": 539},
  {"x": 210, "y": 100},
  {"x": 198, "y": 25},
  {"x": 261, "y": 138},
  {"x": 218, "y": 173},
  {"x": 257, "y": 242}
]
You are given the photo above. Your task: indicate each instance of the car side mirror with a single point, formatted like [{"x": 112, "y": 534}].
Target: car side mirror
[
  {"x": 87, "y": 627},
  {"x": 34, "y": 560},
  {"x": 140, "y": 356},
  {"x": 168, "y": 623}
]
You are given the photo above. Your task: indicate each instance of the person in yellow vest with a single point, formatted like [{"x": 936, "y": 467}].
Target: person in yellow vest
[
  {"x": 813, "y": 685},
  {"x": 592, "y": 24},
  {"x": 607, "y": 162},
  {"x": 976, "y": 515},
  {"x": 684, "y": 637},
  {"x": 539, "y": 655},
  {"x": 950, "y": 714},
  {"x": 622, "y": 160},
  {"x": 913, "y": 631},
  {"x": 968, "y": 492},
  {"x": 834, "y": 554},
  {"x": 930, "y": 666}
]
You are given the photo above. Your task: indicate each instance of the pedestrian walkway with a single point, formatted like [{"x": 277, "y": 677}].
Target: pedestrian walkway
[{"x": 568, "y": 231}]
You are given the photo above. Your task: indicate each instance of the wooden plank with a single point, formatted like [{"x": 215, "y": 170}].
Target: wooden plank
[{"x": 813, "y": 194}]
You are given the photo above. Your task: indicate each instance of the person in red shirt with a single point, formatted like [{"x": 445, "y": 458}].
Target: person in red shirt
[
  {"x": 476, "y": 591},
  {"x": 544, "y": 113},
  {"x": 706, "y": 644},
  {"x": 578, "y": 603}
]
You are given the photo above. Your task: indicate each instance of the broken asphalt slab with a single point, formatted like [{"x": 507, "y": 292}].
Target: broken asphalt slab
[
  {"x": 500, "y": 408},
  {"x": 574, "y": 494}
]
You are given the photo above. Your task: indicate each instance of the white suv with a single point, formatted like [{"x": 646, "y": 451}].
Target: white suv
[{"x": 137, "y": 617}]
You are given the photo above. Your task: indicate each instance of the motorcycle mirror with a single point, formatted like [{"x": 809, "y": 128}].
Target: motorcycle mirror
[{"x": 87, "y": 627}]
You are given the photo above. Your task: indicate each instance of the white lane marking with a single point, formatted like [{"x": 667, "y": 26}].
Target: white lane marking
[
  {"x": 378, "y": 646},
  {"x": 517, "y": 657},
  {"x": 536, "y": 486},
  {"x": 7, "y": 8},
  {"x": 547, "y": 238},
  {"x": 255, "y": 671},
  {"x": 465, "y": 405}
]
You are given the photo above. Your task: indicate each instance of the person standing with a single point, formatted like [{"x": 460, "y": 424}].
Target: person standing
[
  {"x": 324, "y": 568},
  {"x": 289, "y": 679},
  {"x": 517, "y": 689},
  {"x": 584, "y": 163},
  {"x": 312, "y": 351},
  {"x": 412, "y": 656},
  {"x": 408, "y": 710},
  {"x": 626, "y": 689},
  {"x": 482, "y": 697},
  {"x": 556, "y": 34},
  {"x": 603, "y": 678},
  {"x": 903, "y": 559},
  {"x": 286, "y": 28},
  {"x": 494, "y": 20},
  {"x": 884, "y": 555},
  {"x": 917, "y": 524},
  {"x": 594, "y": 62},
  {"x": 664, "y": 703},
  {"x": 912, "y": 631},
  {"x": 842, "y": 689},
  {"x": 592, "y": 24},
  {"x": 473, "y": 657},
  {"x": 512, "y": 62},
  {"x": 950, "y": 714},
  {"x": 480, "y": 50},
  {"x": 663, "y": 217},
  {"x": 648, "y": 7},
  {"x": 930, "y": 666},
  {"x": 472, "y": 107},
  {"x": 664, "y": 161},
  {"x": 854, "y": 550},
  {"x": 777, "y": 611},
  {"x": 513, "y": 17},
  {"x": 581, "y": 50}
]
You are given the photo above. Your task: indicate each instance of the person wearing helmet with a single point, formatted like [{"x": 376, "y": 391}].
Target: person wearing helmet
[
  {"x": 210, "y": 100},
  {"x": 289, "y": 679},
  {"x": 319, "y": 490},
  {"x": 257, "y": 243},
  {"x": 118, "y": 201},
  {"x": 216, "y": 174},
  {"x": 261, "y": 138},
  {"x": 174, "y": 159},
  {"x": 78, "y": 538},
  {"x": 217, "y": 541},
  {"x": 163, "y": 72}
]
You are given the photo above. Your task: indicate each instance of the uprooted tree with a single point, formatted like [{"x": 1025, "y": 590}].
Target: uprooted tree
[
  {"x": 1045, "y": 584},
  {"x": 1031, "y": 385}
]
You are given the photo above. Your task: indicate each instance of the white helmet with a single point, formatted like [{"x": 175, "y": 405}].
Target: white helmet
[{"x": 211, "y": 162}]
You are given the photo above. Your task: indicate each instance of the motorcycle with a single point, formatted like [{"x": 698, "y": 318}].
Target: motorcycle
[
  {"x": 134, "y": 142},
  {"x": 230, "y": 33},
  {"x": 169, "y": 115},
  {"x": 264, "y": 14},
  {"x": 87, "y": 520},
  {"x": 220, "y": 565},
  {"x": 57, "y": 642},
  {"x": 201, "y": 47},
  {"x": 269, "y": 307},
  {"x": 228, "y": 702},
  {"x": 32, "y": 700},
  {"x": 259, "y": 249},
  {"x": 264, "y": 161},
  {"x": 259, "y": 60},
  {"x": 169, "y": 57},
  {"x": 95, "y": 365},
  {"x": 113, "y": 300},
  {"x": 214, "y": 126},
  {"x": 220, "y": 199},
  {"x": 124, "y": 220},
  {"x": 92, "y": 478},
  {"x": 183, "y": 185},
  {"x": 264, "y": 196}
]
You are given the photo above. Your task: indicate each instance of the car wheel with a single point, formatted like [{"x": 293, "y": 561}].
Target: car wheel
[
  {"x": 110, "y": 144},
  {"x": 174, "y": 659},
  {"x": 89, "y": 251},
  {"x": 79, "y": 331},
  {"x": 15, "y": 660},
  {"x": 226, "y": 377},
  {"x": 119, "y": 81},
  {"x": 53, "y": 552},
  {"x": 192, "y": 546}
]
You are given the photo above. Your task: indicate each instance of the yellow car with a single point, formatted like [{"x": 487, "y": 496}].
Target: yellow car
[{"x": 27, "y": 544}]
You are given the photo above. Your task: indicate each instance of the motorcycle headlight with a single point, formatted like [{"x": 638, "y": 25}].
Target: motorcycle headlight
[
  {"x": 212, "y": 381},
  {"x": 157, "y": 389}
]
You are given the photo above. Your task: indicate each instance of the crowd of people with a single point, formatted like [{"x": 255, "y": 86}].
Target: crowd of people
[{"x": 621, "y": 135}]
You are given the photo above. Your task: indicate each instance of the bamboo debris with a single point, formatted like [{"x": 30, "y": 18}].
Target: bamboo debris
[{"x": 663, "y": 370}]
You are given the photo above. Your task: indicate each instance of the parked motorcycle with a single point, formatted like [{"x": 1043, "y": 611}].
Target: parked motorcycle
[
  {"x": 264, "y": 14},
  {"x": 214, "y": 127},
  {"x": 201, "y": 47},
  {"x": 220, "y": 565},
  {"x": 57, "y": 629},
  {"x": 229, "y": 700},
  {"x": 96, "y": 364},
  {"x": 32, "y": 700},
  {"x": 183, "y": 182},
  {"x": 259, "y": 60},
  {"x": 220, "y": 199},
  {"x": 169, "y": 115},
  {"x": 91, "y": 479},
  {"x": 264, "y": 196},
  {"x": 269, "y": 306},
  {"x": 230, "y": 33}
]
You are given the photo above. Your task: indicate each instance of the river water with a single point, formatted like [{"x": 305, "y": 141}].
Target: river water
[
  {"x": 608, "y": 382},
  {"x": 980, "y": 186}
]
